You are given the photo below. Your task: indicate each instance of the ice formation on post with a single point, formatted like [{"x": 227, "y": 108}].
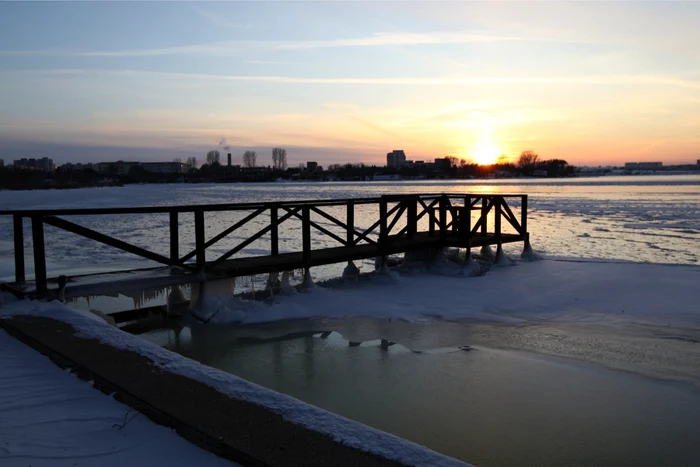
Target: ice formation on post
[
  {"x": 350, "y": 270},
  {"x": 470, "y": 268},
  {"x": 308, "y": 282},
  {"x": 62, "y": 281},
  {"x": 286, "y": 288},
  {"x": 273, "y": 282},
  {"x": 442, "y": 265},
  {"x": 176, "y": 302},
  {"x": 487, "y": 253},
  {"x": 419, "y": 259},
  {"x": 213, "y": 297},
  {"x": 384, "y": 266},
  {"x": 528, "y": 253},
  {"x": 501, "y": 258}
]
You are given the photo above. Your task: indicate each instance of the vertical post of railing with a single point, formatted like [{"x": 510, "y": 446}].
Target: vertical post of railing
[
  {"x": 274, "y": 232},
  {"x": 383, "y": 227},
  {"x": 431, "y": 220},
  {"x": 174, "y": 238},
  {"x": 19, "y": 248},
  {"x": 484, "y": 215},
  {"x": 199, "y": 240},
  {"x": 523, "y": 215},
  {"x": 350, "y": 221},
  {"x": 306, "y": 235},
  {"x": 39, "y": 256},
  {"x": 411, "y": 217},
  {"x": 443, "y": 218},
  {"x": 497, "y": 201},
  {"x": 467, "y": 223}
]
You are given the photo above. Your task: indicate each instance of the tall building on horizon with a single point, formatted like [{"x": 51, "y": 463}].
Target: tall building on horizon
[
  {"x": 396, "y": 159},
  {"x": 41, "y": 165}
]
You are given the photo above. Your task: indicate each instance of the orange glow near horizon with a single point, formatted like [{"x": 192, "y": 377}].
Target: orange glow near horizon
[{"x": 485, "y": 153}]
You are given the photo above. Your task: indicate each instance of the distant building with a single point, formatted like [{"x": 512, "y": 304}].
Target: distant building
[
  {"x": 2, "y": 163},
  {"x": 311, "y": 166},
  {"x": 396, "y": 159},
  {"x": 115, "y": 168},
  {"x": 70, "y": 167},
  {"x": 643, "y": 165},
  {"x": 443, "y": 163},
  {"x": 40, "y": 165},
  {"x": 253, "y": 173},
  {"x": 698, "y": 161},
  {"x": 163, "y": 167},
  {"x": 229, "y": 159}
]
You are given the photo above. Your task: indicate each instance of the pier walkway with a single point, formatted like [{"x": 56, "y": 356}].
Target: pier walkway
[{"x": 391, "y": 224}]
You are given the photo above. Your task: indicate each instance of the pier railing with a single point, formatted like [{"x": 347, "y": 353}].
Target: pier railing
[{"x": 453, "y": 220}]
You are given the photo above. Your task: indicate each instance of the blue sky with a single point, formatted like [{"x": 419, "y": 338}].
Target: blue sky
[{"x": 590, "y": 82}]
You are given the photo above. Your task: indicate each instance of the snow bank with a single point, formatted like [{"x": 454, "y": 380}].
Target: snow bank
[
  {"x": 339, "y": 428},
  {"x": 48, "y": 417},
  {"x": 551, "y": 289}
]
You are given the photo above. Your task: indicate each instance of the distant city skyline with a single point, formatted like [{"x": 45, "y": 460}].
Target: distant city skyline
[{"x": 593, "y": 83}]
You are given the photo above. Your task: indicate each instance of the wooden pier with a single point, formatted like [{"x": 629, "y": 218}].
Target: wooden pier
[{"x": 449, "y": 220}]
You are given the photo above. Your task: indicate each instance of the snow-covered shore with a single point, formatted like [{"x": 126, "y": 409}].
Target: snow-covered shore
[
  {"x": 341, "y": 429},
  {"x": 48, "y": 417},
  {"x": 555, "y": 291},
  {"x": 595, "y": 292},
  {"x": 635, "y": 317}
]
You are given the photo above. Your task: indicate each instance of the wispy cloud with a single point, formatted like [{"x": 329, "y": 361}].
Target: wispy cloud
[
  {"x": 223, "y": 21},
  {"x": 464, "y": 80},
  {"x": 266, "y": 62},
  {"x": 630, "y": 79},
  {"x": 379, "y": 129},
  {"x": 227, "y": 48},
  {"x": 28, "y": 52},
  {"x": 389, "y": 39}
]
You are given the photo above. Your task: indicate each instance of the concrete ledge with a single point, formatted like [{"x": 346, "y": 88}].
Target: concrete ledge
[{"x": 241, "y": 431}]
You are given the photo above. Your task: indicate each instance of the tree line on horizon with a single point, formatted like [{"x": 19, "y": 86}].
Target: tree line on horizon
[
  {"x": 213, "y": 171},
  {"x": 250, "y": 158},
  {"x": 526, "y": 164}
]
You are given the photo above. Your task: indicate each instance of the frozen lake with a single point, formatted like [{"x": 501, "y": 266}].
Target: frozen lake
[
  {"x": 512, "y": 400},
  {"x": 488, "y": 406},
  {"x": 644, "y": 219}
]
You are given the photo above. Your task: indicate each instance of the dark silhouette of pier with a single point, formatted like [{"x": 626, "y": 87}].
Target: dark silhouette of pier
[{"x": 452, "y": 221}]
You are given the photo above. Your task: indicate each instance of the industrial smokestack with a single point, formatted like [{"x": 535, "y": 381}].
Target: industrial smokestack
[{"x": 229, "y": 159}]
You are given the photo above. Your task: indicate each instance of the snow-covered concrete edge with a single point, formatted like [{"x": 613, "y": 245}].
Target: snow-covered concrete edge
[{"x": 340, "y": 429}]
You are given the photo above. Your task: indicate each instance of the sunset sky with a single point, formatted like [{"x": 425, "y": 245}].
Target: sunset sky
[{"x": 589, "y": 82}]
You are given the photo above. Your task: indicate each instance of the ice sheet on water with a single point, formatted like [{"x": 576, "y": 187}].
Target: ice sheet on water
[
  {"x": 559, "y": 290},
  {"x": 630, "y": 208}
]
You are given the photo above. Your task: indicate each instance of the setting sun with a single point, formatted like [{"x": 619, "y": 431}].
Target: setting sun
[{"x": 484, "y": 153}]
